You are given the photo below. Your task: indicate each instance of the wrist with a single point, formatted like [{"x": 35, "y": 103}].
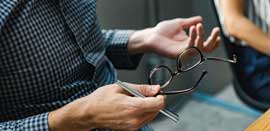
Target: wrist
[
  {"x": 70, "y": 118},
  {"x": 138, "y": 42}
]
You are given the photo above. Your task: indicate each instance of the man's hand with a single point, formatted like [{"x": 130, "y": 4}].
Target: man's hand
[
  {"x": 169, "y": 38},
  {"x": 109, "y": 107}
]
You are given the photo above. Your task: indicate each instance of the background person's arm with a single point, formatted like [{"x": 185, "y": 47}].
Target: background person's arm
[{"x": 239, "y": 26}]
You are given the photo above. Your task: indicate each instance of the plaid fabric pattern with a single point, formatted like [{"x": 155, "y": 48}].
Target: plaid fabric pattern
[{"x": 53, "y": 52}]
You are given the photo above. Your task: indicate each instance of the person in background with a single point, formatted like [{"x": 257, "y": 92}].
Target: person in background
[
  {"x": 57, "y": 67},
  {"x": 247, "y": 24}
]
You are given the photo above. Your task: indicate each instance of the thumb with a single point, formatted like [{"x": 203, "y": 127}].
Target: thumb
[
  {"x": 146, "y": 90},
  {"x": 187, "y": 23}
]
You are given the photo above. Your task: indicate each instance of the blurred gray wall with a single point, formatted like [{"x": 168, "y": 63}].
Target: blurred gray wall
[{"x": 138, "y": 14}]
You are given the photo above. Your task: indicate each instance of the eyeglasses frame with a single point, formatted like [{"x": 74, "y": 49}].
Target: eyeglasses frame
[{"x": 203, "y": 59}]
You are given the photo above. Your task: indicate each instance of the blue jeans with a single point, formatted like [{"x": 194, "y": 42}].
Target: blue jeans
[{"x": 253, "y": 72}]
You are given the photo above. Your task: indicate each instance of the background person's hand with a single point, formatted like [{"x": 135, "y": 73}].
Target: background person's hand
[
  {"x": 110, "y": 107},
  {"x": 169, "y": 38}
]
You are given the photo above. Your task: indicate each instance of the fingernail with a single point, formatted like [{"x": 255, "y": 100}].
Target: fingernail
[{"x": 154, "y": 89}]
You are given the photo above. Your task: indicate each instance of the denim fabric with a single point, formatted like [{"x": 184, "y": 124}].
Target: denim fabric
[{"x": 253, "y": 69}]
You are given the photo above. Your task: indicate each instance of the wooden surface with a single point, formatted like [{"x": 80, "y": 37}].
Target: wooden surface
[{"x": 262, "y": 124}]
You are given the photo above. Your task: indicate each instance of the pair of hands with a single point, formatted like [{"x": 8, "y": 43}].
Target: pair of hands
[{"x": 110, "y": 107}]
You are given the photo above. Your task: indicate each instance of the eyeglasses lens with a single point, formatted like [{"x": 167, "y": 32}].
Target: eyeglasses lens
[
  {"x": 189, "y": 59},
  {"x": 161, "y": 76}
]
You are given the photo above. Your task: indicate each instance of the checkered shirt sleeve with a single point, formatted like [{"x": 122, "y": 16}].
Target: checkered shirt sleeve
[
  {"x": 117, "y": 51},
  {"x": 34, "y": 123}
]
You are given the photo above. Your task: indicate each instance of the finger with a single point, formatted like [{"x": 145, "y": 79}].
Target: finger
[
  {"x": 187, "y": 23},
  {"x": 146, "y": 90},
  {"x": 192, "y": 35},
  {"x": 149, "y": 104},
  {"x": 217, "y": 42},
  {"x": 155, "y": 103},
  {"x": 199, "y": 39},
  {"x": 211, "y": 41}
]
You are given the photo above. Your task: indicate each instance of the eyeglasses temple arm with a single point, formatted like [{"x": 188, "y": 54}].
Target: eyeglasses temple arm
[
  {"x": 234, "y": 60},
  {"x": 186, "y": 90}
]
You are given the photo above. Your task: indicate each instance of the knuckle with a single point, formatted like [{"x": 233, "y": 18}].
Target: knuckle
[
  {"x": 135, "y": 124},
  {"x": 164, "y": 98},
  {"x": 134, "y": 105},
  {"x": 139, "y": 105},
  {"x": 180, "y": 21},
  {"x": 132, "y": 111},
  {"x": 113, "y": 87},
  {"x": 143, "y": 88},
  {"x": 162, "y": 103}
]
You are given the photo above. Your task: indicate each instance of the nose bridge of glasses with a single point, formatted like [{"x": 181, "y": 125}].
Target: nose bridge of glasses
[
  {"x": 170, "y": 79},
  {"x": 176, "y": 73}
]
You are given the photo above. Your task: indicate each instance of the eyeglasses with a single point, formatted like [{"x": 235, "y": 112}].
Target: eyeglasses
[{"x": 187, "y": 60}]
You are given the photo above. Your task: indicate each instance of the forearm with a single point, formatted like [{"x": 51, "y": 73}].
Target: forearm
[
  {"x": 239, "y": 26},
  {"x": 69, "y": 118},
  {"x": 138, "y": 42},
  {"x": 117, "y": 46},
  {"x": 243, "y": 29}
]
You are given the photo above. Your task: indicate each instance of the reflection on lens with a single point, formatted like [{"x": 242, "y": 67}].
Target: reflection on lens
[
  {"x": 161, "y": 76},
  {"x": 189, "y": 59}
]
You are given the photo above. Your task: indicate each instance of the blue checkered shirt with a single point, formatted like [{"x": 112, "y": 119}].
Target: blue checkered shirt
[{"x": 53, "y": 52}]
